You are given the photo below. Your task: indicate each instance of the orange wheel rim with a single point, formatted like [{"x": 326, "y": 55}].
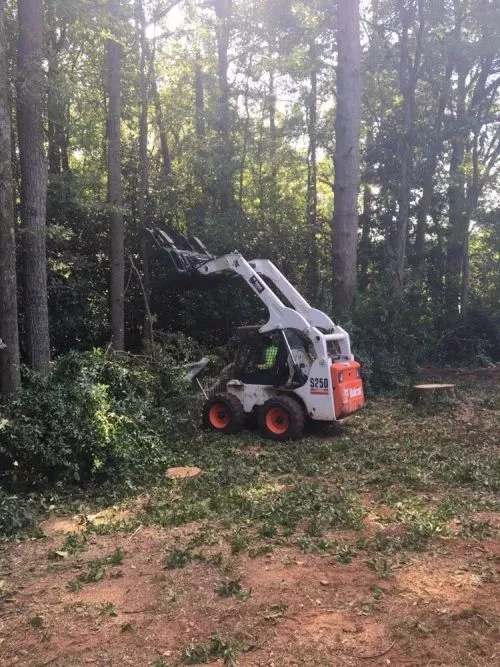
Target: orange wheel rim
[
  {"x": 277, "y": 421},
  {"x": 219, "y": 415}
]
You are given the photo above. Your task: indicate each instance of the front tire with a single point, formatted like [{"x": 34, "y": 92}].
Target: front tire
[
  {"x": 281, "y": 418},
  {"x": 223, "y": 413}
]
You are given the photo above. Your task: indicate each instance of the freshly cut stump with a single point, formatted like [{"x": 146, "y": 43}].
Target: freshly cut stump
[
  {"x": 428, "y": 393},
  {"x": 183, "y": 473}
]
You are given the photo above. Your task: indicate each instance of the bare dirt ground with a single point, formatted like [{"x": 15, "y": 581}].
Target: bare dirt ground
[{"x": 142, "y": 593}]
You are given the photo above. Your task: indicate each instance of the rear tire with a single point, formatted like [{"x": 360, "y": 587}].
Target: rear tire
[
  {"x": 223, "y": 413},
  {"x": 281, "y": 418}
]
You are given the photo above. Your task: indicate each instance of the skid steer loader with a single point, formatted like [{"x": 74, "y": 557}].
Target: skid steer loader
[{"x": 297, "y": 366}]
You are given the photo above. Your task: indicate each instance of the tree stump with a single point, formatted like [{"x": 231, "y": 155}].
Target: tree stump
[{"x": 432, "y": 393}]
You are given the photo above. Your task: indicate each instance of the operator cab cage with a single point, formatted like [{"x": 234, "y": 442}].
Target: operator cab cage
[{"x": 290, "y": 366}]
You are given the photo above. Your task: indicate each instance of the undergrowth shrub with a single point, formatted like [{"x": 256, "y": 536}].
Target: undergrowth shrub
[
  {"x": 16, "y": 514},
  {"x": 388, "y": 336},
  {"x": 94, "y": 418}
]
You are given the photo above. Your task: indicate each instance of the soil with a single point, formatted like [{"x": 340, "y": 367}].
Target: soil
[{"x": 440, "y": 607}]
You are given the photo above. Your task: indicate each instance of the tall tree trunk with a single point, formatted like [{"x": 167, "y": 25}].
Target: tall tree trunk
[
  {"x": 10, "y": 379},
  {"x": 223, "y": 12},
  {"x": 143, "y": 117},
  {"x": 364, "y": 243},
  {"x": 273, "y": 137},
  {"x": 429, "y": 168},
  {"x": 30, "y": 85},
  {"x": 144, "y": 172},
  {"x": 166, "y": 163},
  {"x": 273, "y": 194},
  {"x": 115, "y": 197},
  {"x": 364, "y": 253},
  {"x": 479, "y": 109},
  {"x": 472, "y": 198},
  {"x": 199, "y": 91},
  {"x": 346, "y": 160},
  {"x": 312, "y": 178},
  {"x": 458, "y": 223},
  {"x": 56, "y": 103},
  {"x": 200, "y": 163},
  {"x": 246, "y": 128},
  {"x": 408, "y": 77}
]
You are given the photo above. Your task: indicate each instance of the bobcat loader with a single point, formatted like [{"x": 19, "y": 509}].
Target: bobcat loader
[{"x": 311, "y": 373}]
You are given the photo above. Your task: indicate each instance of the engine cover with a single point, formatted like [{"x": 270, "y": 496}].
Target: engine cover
[{"x": 348, "y": 394}]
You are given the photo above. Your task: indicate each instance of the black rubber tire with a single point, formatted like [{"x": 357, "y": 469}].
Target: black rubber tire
[
  {"x": 296, "y": 418},
  {"x": 234, "y": 410}
]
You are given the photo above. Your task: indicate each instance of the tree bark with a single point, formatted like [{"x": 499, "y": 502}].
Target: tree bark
[
  {"x": 143, "y": 117},
  {"x": 366, "y": 217},
  {"x": 408, "y": 78},
  {"x": 458, "y": 223},
  {"x": 273, "y": 190},
  {"x": 144, "y": 172},
  {"x": 10, "y": 379},
  {"x": 56, "y": 102},
  {"x": 312, "y": 178},
  {"x": 115, "y": 197},
  {"x": 346, "y": 160},
  {"x": 429, "y": 169},
  {"x": 479, "y": 109},
  {"x": 223, "y": 12},
  {"x": 166, "y": 163},
  {"x": 246, "y": 128},
  {"x": 199, "y": 91},
  {"x": 364, "y": 243},
  {"x": 33, "y": 164}
]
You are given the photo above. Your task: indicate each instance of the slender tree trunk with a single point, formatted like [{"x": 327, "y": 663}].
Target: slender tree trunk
[
  {"x": 364, "y": 243},
  {"x": 144, "y": 171},
  {"x": 408, "y": 76},
  {"x": 30, "y": 85},
  {"x": 10, "y": 380},
  {"x": 312, "y": 178},
  {"x": 200, "y": 162},
  {"x": 246, "y": 129},
  {"x": 199, "y": 91},
  {"x": 143, "y": 117},
  {"x": 364, "y": 253},
  {"x": 273, "y": 137},
  {"x": 404, "y": 151},
  {"x": 166, "y": 163},
  {"x": 473, "y": 191},
  {"x": 456, "y": 203},
  {"x": 56, "y": 113},
  {"x": 273, "y": 193},
  {"x": 115, "y": 197},
  {"x": 65, "y": 137},
  {"x": 479, "y": 109},
  {"x": 223, "y": 12},
  {"x": 429, "y": 169},
  {"x": 346, "y": 160}
]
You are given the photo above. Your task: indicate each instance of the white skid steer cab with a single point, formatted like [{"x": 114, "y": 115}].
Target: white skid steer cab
[{"x": 298, "y": 366}]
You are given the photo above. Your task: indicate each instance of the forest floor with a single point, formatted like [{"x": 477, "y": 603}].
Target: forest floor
[{"x": 379, "y": 545}]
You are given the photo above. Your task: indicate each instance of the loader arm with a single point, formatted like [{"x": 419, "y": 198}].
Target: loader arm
[
  {"x": 316, "y": 318},
  {"x": 192, "y": 261},
  {"x": 302, "y": 316}
]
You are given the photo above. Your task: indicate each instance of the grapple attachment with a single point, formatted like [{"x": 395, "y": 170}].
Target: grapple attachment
[{"x": 180, "y": 258}]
